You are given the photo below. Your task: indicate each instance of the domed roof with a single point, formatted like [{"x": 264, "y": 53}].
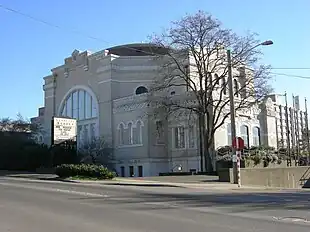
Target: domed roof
[{"x": 138, "y": 49}]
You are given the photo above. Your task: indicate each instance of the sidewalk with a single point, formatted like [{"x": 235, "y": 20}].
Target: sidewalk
[{"x": 140, "y": 182}]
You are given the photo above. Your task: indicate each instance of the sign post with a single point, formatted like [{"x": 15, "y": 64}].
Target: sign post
[{"x": 238, "y": 144}]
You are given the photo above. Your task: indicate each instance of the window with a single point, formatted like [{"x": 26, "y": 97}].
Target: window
[
  {"x": 160, "y": 132},
  {"x": 141, "y": 90},
  {"x": 256, "y": 136},
  {"x": 75, "y": 105},
  {"x": 81, "y": 105},
  {"x": 229, "y": 138},
  {"x": 224, "y": 85},
  {"x": 130, "y": 135},
  {"x": 79, "y": 134},
  {"x": 245, "y": 135},
  {"x": 121, "y": 134},
  {"x": 236, "y": 87},
  {"x": 137, "y": 133},
  {"x": 191, "y": 137},
  {"x": 92, "y": 131},
  {"x": 129, "y": 128},
  {"x": 216, "y": 80},
  {"x": 86, "y": 138},
  {"x": 179, "y": 137}
]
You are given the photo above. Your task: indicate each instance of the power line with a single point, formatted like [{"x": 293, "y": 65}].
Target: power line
[
  {"x": 290, "y": 75},
  {"x": 124, "y": 46},
  {"x": 292, "y": 68},
  {"x": 69, "y": 29}
]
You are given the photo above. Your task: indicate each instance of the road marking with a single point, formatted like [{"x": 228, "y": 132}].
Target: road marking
[{"x": 55, "y": 190}]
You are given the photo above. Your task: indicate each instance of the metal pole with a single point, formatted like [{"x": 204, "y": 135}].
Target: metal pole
[
  {"x": 238, "y": 153},
  {"x": 307, "y": 131},
  {"x": 232, "y": 113},
  {"x": 287, "y": 133}
]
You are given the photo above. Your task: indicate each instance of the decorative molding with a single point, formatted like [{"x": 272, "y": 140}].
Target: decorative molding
[{"x": 129, "y": 107}]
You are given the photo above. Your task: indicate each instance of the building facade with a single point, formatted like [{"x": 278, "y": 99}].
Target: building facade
[{"x": 108, "y": 91}]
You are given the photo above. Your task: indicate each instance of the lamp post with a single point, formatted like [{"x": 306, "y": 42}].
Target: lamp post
[{"x": 232, "y": 104}]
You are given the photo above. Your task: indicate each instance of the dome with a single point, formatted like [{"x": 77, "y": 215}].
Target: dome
[{"x": 137, "y": 49}]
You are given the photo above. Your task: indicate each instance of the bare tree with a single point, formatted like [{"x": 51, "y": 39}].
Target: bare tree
[
  {"x": 97, "y": 151},
  {"x": 193, "y": 74}
]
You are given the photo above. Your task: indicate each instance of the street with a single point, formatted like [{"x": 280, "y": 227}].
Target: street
[{"x": 36, "y": 206}]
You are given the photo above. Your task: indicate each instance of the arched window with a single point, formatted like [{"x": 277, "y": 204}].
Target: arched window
[
  {"x": 236, "y": 87},
  {"x": 216, "y": 80},
  {"x": 141, "y": 90},
  {"x": 244, "y": 131},
  {"x": 121, "y": 133},
  {"x": 83, "y": 106},
  {"x": 130, "y": 137},
  {"x": 224, "y": 85},
  {"x": 229, "y": 138},
  {"x": 138, "y": 133},
  {"x": 256, "y": 136}
]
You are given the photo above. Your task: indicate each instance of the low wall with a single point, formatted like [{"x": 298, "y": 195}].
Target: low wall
[{"x": 287, "y": 177}]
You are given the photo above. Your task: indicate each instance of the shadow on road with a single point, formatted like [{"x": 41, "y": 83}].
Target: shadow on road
[
  {"x": 231, "y": 202},
  {"x": 144, "y": 185}
]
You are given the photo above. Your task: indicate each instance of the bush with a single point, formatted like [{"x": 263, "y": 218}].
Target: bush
[{"x": 84, "y": 171}]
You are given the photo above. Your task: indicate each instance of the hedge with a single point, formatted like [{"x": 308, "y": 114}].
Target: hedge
[{"x": 84, "y": 171}]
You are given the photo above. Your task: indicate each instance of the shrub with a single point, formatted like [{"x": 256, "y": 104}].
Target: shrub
[{"x": 84, "y": 171}]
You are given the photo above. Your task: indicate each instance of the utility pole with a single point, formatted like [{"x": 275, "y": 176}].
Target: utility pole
[
  {"x": 232, "y": 113},
  {"x": 307, "y": 131},
  {"x": 288, "y": 146}
]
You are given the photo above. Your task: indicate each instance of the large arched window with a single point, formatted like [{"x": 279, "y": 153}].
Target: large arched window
[
  {"x": 82, "y": 105},
  {"x": 141, "y": 90},
  {"x": 256, "y": 136},
  {"x": 244, "y": 131}
]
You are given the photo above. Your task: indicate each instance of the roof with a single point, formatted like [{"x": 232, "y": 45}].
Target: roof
[{"x": 138, "y": 49}]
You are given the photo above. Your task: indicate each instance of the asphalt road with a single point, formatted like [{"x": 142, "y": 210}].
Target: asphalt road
[{"x": 32, "y": 206}]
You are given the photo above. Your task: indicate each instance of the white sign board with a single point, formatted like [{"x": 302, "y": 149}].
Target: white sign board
[{"x": 64, "y": 129}]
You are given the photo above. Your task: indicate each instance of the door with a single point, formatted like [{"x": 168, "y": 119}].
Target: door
[
  {"x": 122, "y": 171},
  {"x": 131, "y": 171},
  {"x": 140, "y": 171}
]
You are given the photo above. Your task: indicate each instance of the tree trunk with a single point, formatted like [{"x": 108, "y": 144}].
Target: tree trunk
[
  {"x": 207, "y": 138},
  {"x": 201, "y": 139}
]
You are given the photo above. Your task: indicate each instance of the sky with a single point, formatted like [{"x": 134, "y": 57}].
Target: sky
[{"x": 29, "y": 49}]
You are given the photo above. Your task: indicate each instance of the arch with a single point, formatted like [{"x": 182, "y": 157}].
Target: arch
[
  {"x": 121, "y": 125},
  {"x": 140, "y": 121},
  {"x": 75, "y": 88},
  {"x": 141, "y": 90},
  {"x": 84, "y": 106}
]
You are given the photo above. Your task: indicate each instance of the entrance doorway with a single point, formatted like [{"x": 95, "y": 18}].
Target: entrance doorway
[
  {"x": 122, "y": 171},
  {"x": 131, "y": 171},
  {"x": 140, "y": 171}
]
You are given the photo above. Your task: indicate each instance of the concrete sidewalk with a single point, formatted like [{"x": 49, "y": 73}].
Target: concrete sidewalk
[{"x": 150, "y": 182}]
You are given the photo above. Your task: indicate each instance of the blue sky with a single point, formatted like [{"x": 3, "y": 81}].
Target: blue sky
[{"x": 29, "y": 49}]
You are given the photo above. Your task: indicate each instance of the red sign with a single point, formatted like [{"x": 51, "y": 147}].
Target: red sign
[{"x": 238, "y": 143}]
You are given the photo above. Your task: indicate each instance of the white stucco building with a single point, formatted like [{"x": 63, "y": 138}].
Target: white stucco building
[{"x": 107, "y": 92}]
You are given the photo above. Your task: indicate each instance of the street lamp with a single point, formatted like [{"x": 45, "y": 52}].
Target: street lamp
[{"x": 232, "y": 104}]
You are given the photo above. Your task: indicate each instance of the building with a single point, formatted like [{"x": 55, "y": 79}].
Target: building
[{"x": 107, "y": 92}]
